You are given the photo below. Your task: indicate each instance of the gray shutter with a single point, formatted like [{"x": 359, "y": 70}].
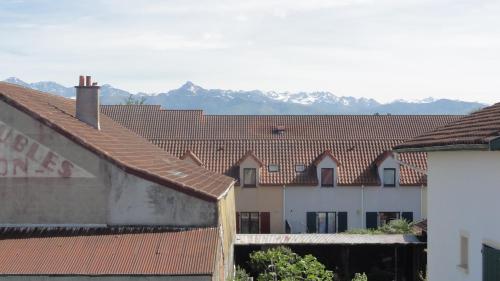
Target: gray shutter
[
  {"x": 408, "y": 216},
  {"x": 371, "y": 219},
  {"x": 311, "y": 222},
  {"x": 342, "y": 221}
]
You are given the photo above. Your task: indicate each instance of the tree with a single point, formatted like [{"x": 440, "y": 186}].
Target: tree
[
  {"x": 132, "y": 100},
  {"x": 281, "y": 263}
]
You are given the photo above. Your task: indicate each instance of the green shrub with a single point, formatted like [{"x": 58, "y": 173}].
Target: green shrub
[
  {"x": 281, "y": 263},
  {"x": 360, "y": 277},
  {"x": 240, "y": 274},
  {"x": 393, "y": 227}
]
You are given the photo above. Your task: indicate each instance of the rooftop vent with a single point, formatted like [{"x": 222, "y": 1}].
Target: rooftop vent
[
  {"x": 279, "y": 130},
  {"x": 87, "y": 101}
]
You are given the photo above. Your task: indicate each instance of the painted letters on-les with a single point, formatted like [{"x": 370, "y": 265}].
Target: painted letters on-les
[{"x": 23, "y": 157}]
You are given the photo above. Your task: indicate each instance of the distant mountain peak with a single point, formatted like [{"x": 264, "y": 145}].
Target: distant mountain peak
[
  {"x": 217, "y": 101},
  {"x": 17, "y": 81}
]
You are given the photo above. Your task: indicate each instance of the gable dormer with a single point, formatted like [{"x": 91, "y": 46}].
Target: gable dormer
[
  {"x": 388, "y": 169},
  {"x": 327, "y": 169},
  {"x": 190, "y": 156},
  {"x": 249, "y": 169}
]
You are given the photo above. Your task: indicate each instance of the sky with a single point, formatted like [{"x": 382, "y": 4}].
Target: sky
[{"x": 381, "y": 49}]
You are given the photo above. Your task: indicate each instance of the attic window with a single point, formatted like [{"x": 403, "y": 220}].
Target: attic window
[
  {"x": 300, "y": 168},
  {"x": 279, "y": 130},
  {"x": 273, "y": 168}
]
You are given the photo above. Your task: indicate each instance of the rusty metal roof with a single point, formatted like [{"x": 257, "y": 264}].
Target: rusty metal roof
[
  {"x": 107, "y": 251},
  {"x": 324, "y": 239}
]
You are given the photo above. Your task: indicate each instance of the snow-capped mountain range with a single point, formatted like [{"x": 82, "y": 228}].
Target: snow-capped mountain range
[{"x": 216, "y": 101}]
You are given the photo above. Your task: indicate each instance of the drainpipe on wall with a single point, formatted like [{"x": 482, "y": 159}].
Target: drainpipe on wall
[
  {"x": 284, "y": 210},
  {"x": 363, "y": 206}
]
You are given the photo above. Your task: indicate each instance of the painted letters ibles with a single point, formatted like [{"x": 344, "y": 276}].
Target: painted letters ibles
[{"x": 23, "y": 157}]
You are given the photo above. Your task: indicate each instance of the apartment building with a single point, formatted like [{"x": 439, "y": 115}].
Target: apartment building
[
  {"x": 464, "y": 191},
  {"x": 83, "y": 198},
  {"x": 299, "y": 174}
]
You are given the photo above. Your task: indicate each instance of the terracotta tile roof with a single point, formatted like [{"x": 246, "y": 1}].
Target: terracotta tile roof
[
  {"x": 478, "y": 128},
  {"x": 109, "y": 251},
  {"x": 117, "y": 144},
  {"x": 152, "y": 122},
  {"x": 220, "y": 141}
]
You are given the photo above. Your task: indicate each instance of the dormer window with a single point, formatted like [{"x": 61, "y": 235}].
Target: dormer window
[
  {"x": 273, "y": 168},
  {"x": 327, "y": 177},
  {"x": 300, "y": 168},
  {"x": 389, "y": 177},
  {"x": 249, "y": 177}
]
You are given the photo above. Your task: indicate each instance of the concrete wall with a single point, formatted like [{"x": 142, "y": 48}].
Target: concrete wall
[
  {"x": 74, "y": 186},
  {"x": 227, "y": 224},
  {"x": 106, "y": 278},
  {"x": 463, "y": 199}
]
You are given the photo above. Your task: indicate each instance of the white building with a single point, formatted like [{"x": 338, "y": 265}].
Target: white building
[{"x": 463, "y": 197}]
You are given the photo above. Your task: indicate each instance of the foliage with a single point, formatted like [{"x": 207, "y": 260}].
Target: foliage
[
  {"x": 132, "y": 100},
  {"x": 422, "y": 276},
  {"x": 281, "y": 263},
  {"x": 393, "y": 227},
  {"x": 240, "y": 274},
  {"x": 360, "y": 277}
]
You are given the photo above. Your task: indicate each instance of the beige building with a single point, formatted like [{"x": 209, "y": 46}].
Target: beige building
[{"x": 68, "y": 171}]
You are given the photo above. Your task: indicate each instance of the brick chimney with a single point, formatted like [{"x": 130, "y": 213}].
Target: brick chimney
[{"x": 87, "y": 101}]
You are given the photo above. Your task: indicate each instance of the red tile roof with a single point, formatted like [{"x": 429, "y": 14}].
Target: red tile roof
[
  {"x": 220, "y": 141},
  {"x": 108, "y": 251},
  {"x": 117, "y": 144},
  {"x": 476, "y": 129}
]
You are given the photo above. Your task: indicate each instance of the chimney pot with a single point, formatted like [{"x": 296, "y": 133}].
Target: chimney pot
[
  {"x": 82, "y": 81},
  {"x": 87, "y": 102}
]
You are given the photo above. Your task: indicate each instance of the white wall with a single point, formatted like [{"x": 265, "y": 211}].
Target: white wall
[
  {"x": 302, "y": 199},
  {"x": 463, "y": 197}
]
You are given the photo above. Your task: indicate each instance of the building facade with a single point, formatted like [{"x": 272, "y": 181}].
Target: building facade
[
  {"x": 464, "y": 187},
  {"x": 299, "y": 174},
  {"x": 70, "y": 177}
]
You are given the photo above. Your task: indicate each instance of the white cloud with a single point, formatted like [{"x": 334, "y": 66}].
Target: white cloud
[{"x": 384, "y": 49}]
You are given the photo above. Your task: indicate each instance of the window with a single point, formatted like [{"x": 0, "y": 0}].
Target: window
[
  {"x": 464, "y": 252},
  {"x": 327, "y": 177},
  {"x": 300, "y": 168},
  {"x": 386, "y": 217},
  {"x": 326, "y": 222},
  {"x": 272, "y": 168},
  {"x": 389, "y": 177},
  {"x": 249, "y": 222},
  {"x": 249, "y": 177}
]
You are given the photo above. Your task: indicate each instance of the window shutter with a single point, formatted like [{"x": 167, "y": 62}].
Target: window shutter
[
  {"x": 265, "y": 222},
  {"x": 371, "y": 220},
  {"x": 342, "y": 221},
  {"x": 408, "y": 216},
  {"x": 311, "y": 222},
  {"x": 238, "y": 222}
]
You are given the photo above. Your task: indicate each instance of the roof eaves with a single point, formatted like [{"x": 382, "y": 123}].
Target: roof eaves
[{"x": 433, "y": 148}]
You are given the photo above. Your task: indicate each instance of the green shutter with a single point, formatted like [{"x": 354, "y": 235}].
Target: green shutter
[
  {"x": 342, "y": 221},
  {"x": 311, "y": 222},
  {"x": 371, "y": 219},
  {"x": 408, "y": 216},
  {"x": 491, "y": 264}
]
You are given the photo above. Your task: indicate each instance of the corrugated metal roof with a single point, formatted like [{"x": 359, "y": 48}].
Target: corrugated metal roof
[
  {"x": 107, "y": 251},
  {"x": 323, "y": 239}
]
